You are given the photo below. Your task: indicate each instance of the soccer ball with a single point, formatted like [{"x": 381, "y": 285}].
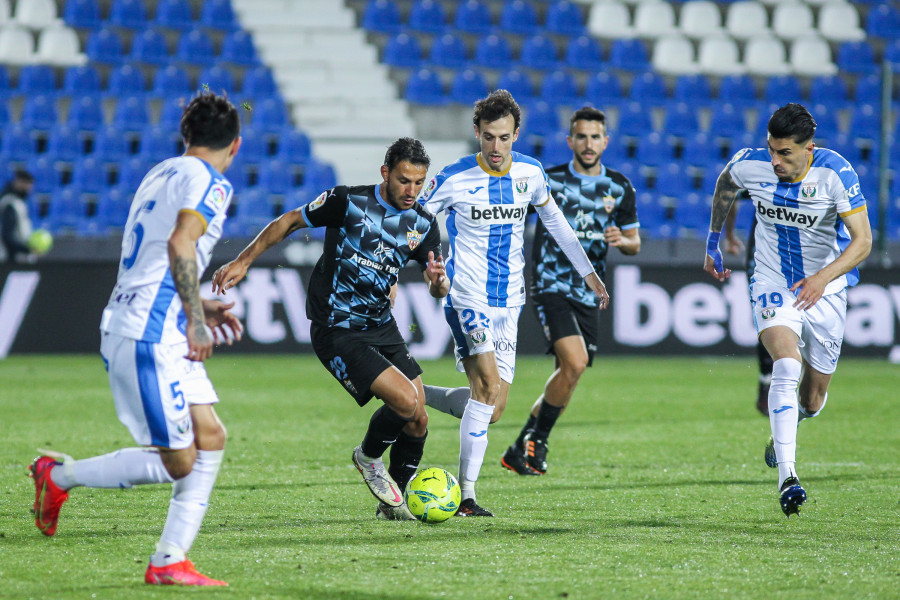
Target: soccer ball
[
  {"x": 433, "y": 495},
  {"x": 40, "y": 241}
]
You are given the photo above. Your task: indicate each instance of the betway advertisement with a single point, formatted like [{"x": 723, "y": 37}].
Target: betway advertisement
[{"x": 55, "y": 308}]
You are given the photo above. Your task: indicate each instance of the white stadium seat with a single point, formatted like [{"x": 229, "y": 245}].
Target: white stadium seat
[
  {"x": 719, "y": 56},
  {"x": 36, "y": 14},
  {"x": 792, "y": 19},
  {"x": 811, "y": 56},
  {"x": 16, "y": 45},
  {"x": 610, "y": 20},
  {"x": 839, "y": 22},
  {"x": 700, "y": 19},
  {"x": 654, "y": 19},
  {"x": 59, "y": 46},
  {"x": 674, "y": 55},
  {"x": 766, "y": 56},
  {"x": 746, "y": 19}
]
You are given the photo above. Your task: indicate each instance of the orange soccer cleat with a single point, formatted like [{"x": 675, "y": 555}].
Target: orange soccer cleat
[
  {"x": 48, "y": 498},
  {"x": 180, "y": 573}
]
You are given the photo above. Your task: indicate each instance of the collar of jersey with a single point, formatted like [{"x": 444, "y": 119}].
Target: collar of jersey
[
  {"x": 806, "y": 172},
  {"x": 488, "y": 170},
  {"x": 588, "y": 177},
  {"x": 391, "y": 210}
]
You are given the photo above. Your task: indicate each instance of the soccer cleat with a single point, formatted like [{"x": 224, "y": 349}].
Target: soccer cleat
[
  {"x": 468, "y": 508},
  {"x": 536, "y": 454},
  {"x": 393, "y": 513},
  {"x": 380, "y": 483},
  {"x": 180, "y": 573},
  {"x": 771, "y": 459},
  {"x": 762, "y": 399},
  {"x": 48, "y": 498},
  {"x": 792, "y": 496},
  {"x": 514, "y": 460}
]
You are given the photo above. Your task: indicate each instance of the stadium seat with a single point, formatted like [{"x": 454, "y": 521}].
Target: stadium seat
[
  {"x": 128, "y": 13},
  {"x": 218, "y": 79},
  {"x": 766, "y": 56},
  {"x": 81, "y": 81},
  {"x": 16, "y": 143},
  {"x": 46, "y": 176},
  {"x": 89, "y": 175},
  {"x": 674, "y": 55},
  {"x": 253, "y": 212},
  {"x": 5, "y": 86},
  {"x": 865, "y": 122},
  {"x": 174, "y": 14},
  {"x": 718, "y": 55},
  {"x": 517, "y": 83},
  {"x": 275, "y": 176},
  {"x": 104, "y": 46},
  {"x": 428, "y": 16},
  {"x": 681, "y": 119},
  {"x": 830, "y": 90},
  {"x": 238, "y": 48},
  {"x": 195, "y": 47},
  {"x": 468, "y": 85},
  {"x": 700, "y": 19},
  {"x": 59, "y": 46},
  {"x": 826, "y": 122},
  {"x": 113, "y": 206},
  {"x": 693, "y": 89},
  {"x": 36, "y": 79},
  {"x": 16, "y": 45},
  {"x": 857, "y": 58},
  {"x": 259, "y": 83},
  {"x": 565, "y": 18},
  {"x": 649, "y": 89},
  {"x": 110, "y": 145},
  {"x": 782, "y": 89},
  {"x": 382, "y": 16},
  {"x": 218, "y": 14},
  {"x": 132, "y": 172},
  {"x": 584, "y": 52},
  {"x": 892, "y": 54},
  {"x": 746, "y": 19},
  {"x": 492, "y": 50},
  {"x": 448, "y": 50},
  {"x": 868, "y": 90},
  {"x": 295, "y": 147},
  {"x": 519, "y": 17},
  {"x": 555, "y": 150},
  {"x": 319, "y": 176},
  {"x": 609, "y": 20},
  {"x": 270, "y": 115},
  {"x": 171, "y": 81},
  {"x": 85, "y": 114},
  {"x": 559, "y": 87},
  {"x": 739, "y": 90},
  {"x": 39, "y": 113},
  {"x": 540, "y": 119},
  {"x": 653, "y": 19},
  {"x": 63, "y": 143},
  {"x": 726, "y": 121},
  {"x": 700, "y": 150},
  {"x": 672, "y": 181},
  {"x": 82, "y": 13},
  {"x": 403, "y": 50},
  {"x": 629, "y": 55},
  {"x": 788, "y": 18},
  {"x": 634, "y": 120},
  {"x": 150, "y": 47},
  {"x": 653, "y": 150},
  {"x": 810, "y": 56},
  {"x": 131, "y": 114},
  {"x": 66, "y": 211},
  {"x": 473, "y": 16},
  {"x": 538, "y": 52},
  {"x": 839, "y": 22},
  {"x": 36, "y": 14},
  {"x": 126, "y": 80},
  {"x": 883, "y": 21},
  {"x": 603, "y": 89},
  {"x": 158, "y": 143}
]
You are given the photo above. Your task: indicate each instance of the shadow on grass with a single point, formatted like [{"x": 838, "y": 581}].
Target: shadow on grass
[{"x": 764, "y": 480}]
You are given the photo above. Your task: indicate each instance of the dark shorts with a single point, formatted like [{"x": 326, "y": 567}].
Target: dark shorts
[
  {"x": 357, "y": 358},
  {"x": 562, "y": 317}
]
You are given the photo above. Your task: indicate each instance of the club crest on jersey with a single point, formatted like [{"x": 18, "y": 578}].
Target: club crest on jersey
[
  {"x": 768, "y": 313},
  {"x": 522, "y": 185},
  {"x": 808, "y": 190},
  {"x": 413, "y": 238},
  {"x": 609, "y": 203},
  {"x": 478, "y": 336},
  {"x": 319, "y": 201}
]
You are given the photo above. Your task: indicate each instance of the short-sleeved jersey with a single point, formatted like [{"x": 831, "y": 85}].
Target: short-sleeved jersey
[
  {"x": 367, "y": 242},
  {"x": 144, "y": 304},
  {"x": 486, "y": 213},
  {"x": 590, "y": 203},
  {"x": 798, "y": 224}
]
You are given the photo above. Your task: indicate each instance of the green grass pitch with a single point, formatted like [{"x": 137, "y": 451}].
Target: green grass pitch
[{"x": 656, "y": 489}]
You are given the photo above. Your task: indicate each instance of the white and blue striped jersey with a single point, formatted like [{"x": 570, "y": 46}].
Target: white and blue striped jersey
[
  {"x": 144, "y": 304},
  {"x": 486, "y": 213},
  {"x": 798, "y": 224}
]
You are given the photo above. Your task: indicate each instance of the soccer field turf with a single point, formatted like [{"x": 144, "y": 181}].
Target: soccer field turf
[{"x": 656, "y": 489}]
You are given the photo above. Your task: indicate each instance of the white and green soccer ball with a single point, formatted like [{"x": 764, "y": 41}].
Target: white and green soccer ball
[
  {"x": 433, "y": 495},
  {"x": 40, "y": 241}
]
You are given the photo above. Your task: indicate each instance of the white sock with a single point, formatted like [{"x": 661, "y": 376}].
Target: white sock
[
  {"x": 802, "y": 415},
  {"x": 451, "y": 401},
  {"x": 473, "y": 442},
  {"x": 783, "y": 414},
  {"x": 190, "y": 499},
  {"x": 120, "y": 469}
]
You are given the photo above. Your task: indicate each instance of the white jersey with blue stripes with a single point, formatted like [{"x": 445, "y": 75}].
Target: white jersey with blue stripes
[
  {"x": 798, "y": 224},
  {"x": 486, "y": 213},
  {"x": 144, "y": 304}
]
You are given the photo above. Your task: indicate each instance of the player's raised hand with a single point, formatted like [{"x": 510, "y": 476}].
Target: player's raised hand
[
  {"x": 227, "y": 276},
  {"x": 596, "y": 284},
  {"x": 436, "y": 276},
  {"x": 712, "y": 263},
  {"x": 223, "y": 325}
]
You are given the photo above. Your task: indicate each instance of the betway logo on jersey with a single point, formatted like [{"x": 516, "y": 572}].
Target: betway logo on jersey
[
  {"x": 787, "y": 215},
  {"x": 498, "y": 214},
  {"x": 367, "y": 262}
]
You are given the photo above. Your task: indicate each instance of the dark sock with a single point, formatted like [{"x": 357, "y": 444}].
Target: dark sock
[
  {"x": 546, "y": 419},
  {"x": 384, "y": 427},
  {"x": 765, "y": 361},
  {"x": 406, "y": 454},
  {"x": 529, "y": 427}
]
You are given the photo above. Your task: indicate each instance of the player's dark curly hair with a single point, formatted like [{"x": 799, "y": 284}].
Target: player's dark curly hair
[
  {"x": 409, "y": 149},
  {"x": 587, "y": 113},
  {"x": 210, "y": 121},
  {"x": 792, "y": 121},
  {"x": 498, "y": 104}
]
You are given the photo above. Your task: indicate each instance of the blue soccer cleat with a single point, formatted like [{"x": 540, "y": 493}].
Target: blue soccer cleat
[
  {"x": 771, "y": 460},
  {"x": 792, "y": 496}
]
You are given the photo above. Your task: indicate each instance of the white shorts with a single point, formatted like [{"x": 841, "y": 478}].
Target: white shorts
[
  {"x": 820, "y": 329},
  {"x": 486, "y": 329},
  {"x": 153, "y": 386}
]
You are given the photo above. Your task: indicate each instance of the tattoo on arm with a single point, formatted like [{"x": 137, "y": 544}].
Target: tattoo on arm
[
  {"x": 184, "y": 274},
  {"x": 726, "y": 192}
]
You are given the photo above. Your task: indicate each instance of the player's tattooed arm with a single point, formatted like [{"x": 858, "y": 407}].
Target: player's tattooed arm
[
  {"x": 184, "y": 275},
  {"x": 182, "y": 250},
  {"x": 723, "y": 198}
]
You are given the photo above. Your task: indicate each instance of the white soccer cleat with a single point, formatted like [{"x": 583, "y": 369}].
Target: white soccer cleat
[{"x": 380, "y": 483}]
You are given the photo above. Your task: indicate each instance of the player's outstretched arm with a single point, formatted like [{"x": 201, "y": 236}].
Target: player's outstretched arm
[
  {"x": 436, "y": 276},
  {"x": 593, "y": 281},
  {"x": 229, "y": 275},
  {"x": 225, "y": 327},
  {"x": 182, "y": 246},
  {"x": 723, "y": 199}
]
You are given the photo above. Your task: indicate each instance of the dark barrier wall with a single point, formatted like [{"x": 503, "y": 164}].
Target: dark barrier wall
[{"x": 55, "y": 308}]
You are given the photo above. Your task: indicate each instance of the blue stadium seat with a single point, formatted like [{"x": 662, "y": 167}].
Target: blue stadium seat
[
  {"x": 270, "y": 115},
  {"x": 584, "y": 52},
  {"x": 672, "y": 181},
  {"x": 113, "y": 206},
  {"x": 447, "y": 50},
  {"x": 468, "y": 85},
  {"x": 565, "y": 18},
  {"x": 652, "y": 215},
  {"x": 830, "y": 90},
  {"x": 382, "y": 16},
  {"x": 519, "y": 17},
  {"x": 218, "y": 14},
  {"x": 782, "y": 89},
  {"x": 727, "y": 121},
  {"x": 253, "y": 212},
  {"x": 540, "y": 119},
  {"x": 170, "y": 82},
  {"x": 16, "y": 144},
  {"x": 170, "y": 115},
  {"x": 295, "y": 147},
  {"x": 150, "y": 47},
  {"x": 738, "y": 90},
  {"x": 5, "y": 86},
  {"x": 692, "y": 212},
  {"x": 634, "y": 120},
  {"x": 892, "y": 53},
  {"x": 473, "y": 16},
  {"x": 681, "y": 120},
  {"x": 865, "y": 122},
  {"x": 36, "y": 79},
  {"x": 693, "y": 89},
  {"x": 856, "y": 57},
  {"x": 89, "y": 175},
  {"x": 254, "y": 148},
  {"x": 868, "y": 90},
  {"x": 85, "y": 114},
  {"x": 217, "y": 79},
  {"x": 126, "y": 80},
  {"x": 319, "y": 176},
  {"x": 158, "y": 144},
  {"x": 556, "y": 150},
  {"x": 492, "y": 50},
  {"x": 538, "y": 52},
  {"x": 259, "y": 83},
  {"x": 63, "y": 143},
  {"x": 175, "y": 14},
  {"x": 826, "y": 122},
  {"x": 46, "y": 176},
  {"x": 653, "y": 150},
  {"x": 131, "y": 114},
  {"x": 110, "y": 145},
  {"x": 238, "y": 48},
  {"x": 603, "y": 89},
  {"x": 195, "y": 47},
  {"x": 424, "y": 86},
  {"x": 82, "y": 13},
  {"x": 4, "y": 112},
  {"x": 128, "y": 13},
  {"x": 710, "y": 176},
  {"x": 81, "y": 81},
  {"x": 39, "y": 113},
  {"x": 104, "y": 46},
  {"x": 275, "y": 176},
  {"x": 559, "y": 87},
  {"x": 628, "y": 54},
  {"x": 517, "y": 83},
  {"x": 428, "y": 16},
  {"x": 403, "y": 50},
  {"x": 883, "y": 21},
  {"x": 700, "y": 150},
  {"x": 66, "y": 211},
  {"x": 649, "y": 89},
  {"x": 132, "y": 172}
]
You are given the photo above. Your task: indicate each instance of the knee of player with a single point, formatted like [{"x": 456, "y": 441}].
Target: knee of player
[
  {"x": 179, "y": 463},
  {"x": 419, "y": 425},
  {"x": 406, "y": 401},
  {"x": 573, "y": 369}
]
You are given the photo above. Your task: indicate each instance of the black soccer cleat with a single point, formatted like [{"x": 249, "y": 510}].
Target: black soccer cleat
[
  {"x": 468, "y": 508},
  {"x": 792, "y": 496},
  {"x": 514, "y": 460},
  {"x": 536, "y": 454}
]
